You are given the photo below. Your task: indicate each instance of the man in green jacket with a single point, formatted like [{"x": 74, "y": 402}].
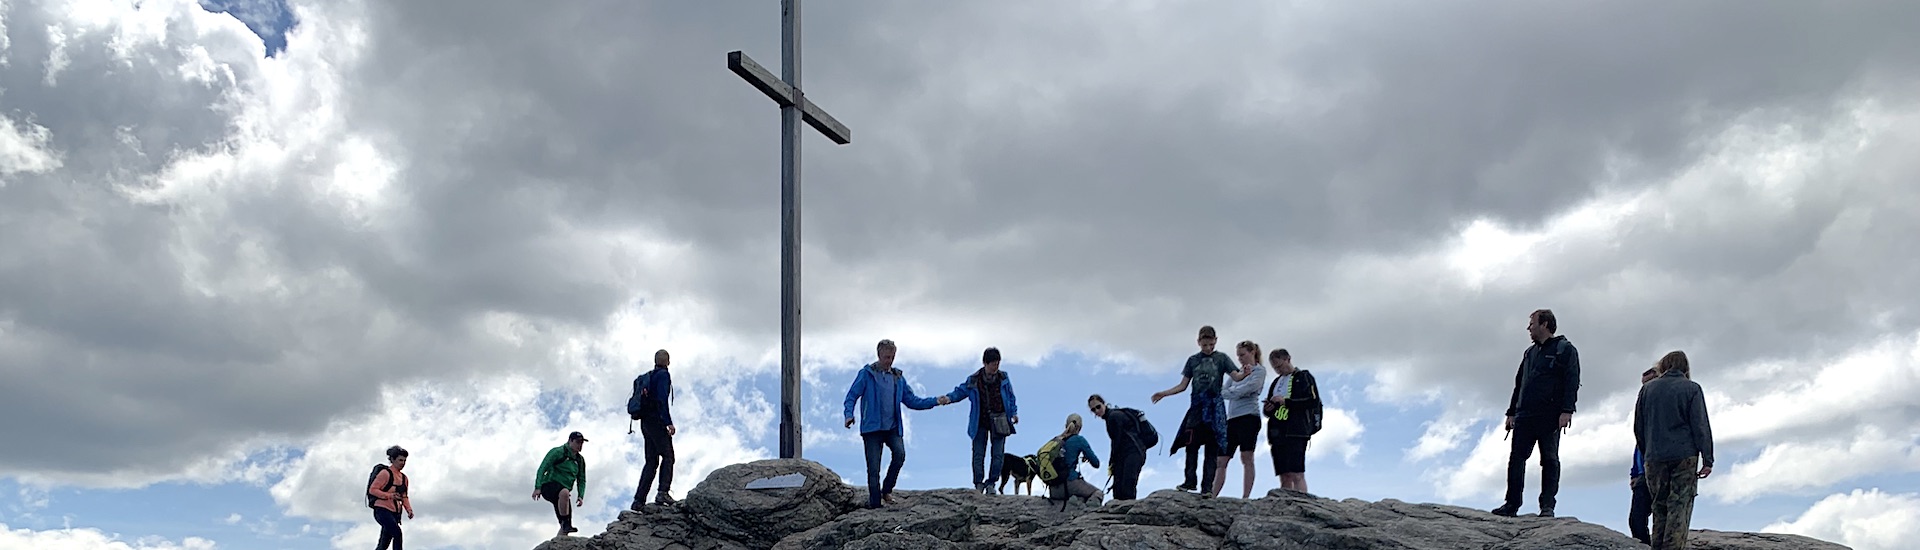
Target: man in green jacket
[{"x": 563, "y": 474}]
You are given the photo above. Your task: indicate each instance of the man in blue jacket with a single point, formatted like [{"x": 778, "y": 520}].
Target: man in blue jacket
[
  {"x": 993, "y": 415},
  {"x": 1545, "y": 390},
  {"x": 881, "y": 389},
  {"x": 656, "y": 429}
]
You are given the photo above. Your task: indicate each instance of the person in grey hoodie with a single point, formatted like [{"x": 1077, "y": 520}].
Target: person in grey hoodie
[
  {"x": 1243, "y": 415},
  {"x": 1670, "y": 429}
]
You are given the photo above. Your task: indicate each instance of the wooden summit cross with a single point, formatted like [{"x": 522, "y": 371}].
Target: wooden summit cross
[{"x": 794, "y": 108}]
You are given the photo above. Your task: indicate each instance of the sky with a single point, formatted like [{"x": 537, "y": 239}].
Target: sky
[{"x": 250, "y": 244}]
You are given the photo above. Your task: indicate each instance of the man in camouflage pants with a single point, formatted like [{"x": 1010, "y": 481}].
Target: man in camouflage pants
[{"x": 1670, "y": 429}]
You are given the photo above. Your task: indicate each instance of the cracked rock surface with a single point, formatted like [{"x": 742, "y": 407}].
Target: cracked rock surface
[{"x": 824, "y": 513}]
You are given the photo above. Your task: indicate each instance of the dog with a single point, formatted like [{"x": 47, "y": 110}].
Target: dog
[{"x": 1019, "y": 470}]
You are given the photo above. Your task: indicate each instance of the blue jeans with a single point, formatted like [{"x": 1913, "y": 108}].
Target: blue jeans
[
  {"x": 998, "y": 460},
  {"x": 895, "y": 443}
]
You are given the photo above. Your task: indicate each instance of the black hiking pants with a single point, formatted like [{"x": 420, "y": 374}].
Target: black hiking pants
[
  {"x": 659, "y": 453},
  {"x": 1528, "y": 432},
  {"x": 1126, "y": 475}
]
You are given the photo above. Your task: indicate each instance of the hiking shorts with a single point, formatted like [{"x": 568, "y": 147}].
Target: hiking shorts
[
  {"x": 1243, "y": 433},
  {"x": 551, "y": 491},
  {"x": 1290, "y": 455}
]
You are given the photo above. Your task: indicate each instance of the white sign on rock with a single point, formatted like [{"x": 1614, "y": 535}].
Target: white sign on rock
[{"x": 789, "y": 481}]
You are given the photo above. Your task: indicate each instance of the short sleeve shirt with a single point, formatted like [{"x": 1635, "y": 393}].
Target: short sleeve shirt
[{"x": 1208, "y": 372}]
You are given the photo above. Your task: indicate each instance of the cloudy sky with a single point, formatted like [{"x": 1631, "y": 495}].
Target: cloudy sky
[{"x": 248, "y": 244}]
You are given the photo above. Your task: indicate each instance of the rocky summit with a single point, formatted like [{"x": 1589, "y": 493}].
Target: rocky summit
[{"x": 822, "y": 513}]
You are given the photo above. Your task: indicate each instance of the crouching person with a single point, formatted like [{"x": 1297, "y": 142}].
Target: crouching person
[{"x": 1060, "y": 459}]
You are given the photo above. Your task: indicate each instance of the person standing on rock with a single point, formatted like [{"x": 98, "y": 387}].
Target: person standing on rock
[
  {"x": 880, "y": 390},
  {"x": 1206, "y": 421},
  {"x": 1671, "y": 430},
  {"x": 1293, "y": 401},
  {"x": 387, "y": 495},
  {"x": 1642, "y": 506},
  {"x": 563, "y": 474},
  {"x": 1243, "y": 416},
  {"x": 656, "y": 428},
  {"x": 1126, "y": 455},
  {"x": 1544, "y": 392},
  {"x": 991, "y": 419},
  {"x": 1074, "y": 450}
]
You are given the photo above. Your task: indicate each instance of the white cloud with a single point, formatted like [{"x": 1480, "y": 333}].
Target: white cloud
[
  {"x": 1339, "y": 436},
  {"x": 23, "y": 148},
  {"x": 1783, "y": 467},
  {"x": 1442, "y": 435},
  {"x": 91, "y": 539},
  {"x": 1863, "y": 519}
]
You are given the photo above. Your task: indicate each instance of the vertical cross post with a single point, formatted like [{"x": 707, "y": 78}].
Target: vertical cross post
[{"x": 794, "y": 109}]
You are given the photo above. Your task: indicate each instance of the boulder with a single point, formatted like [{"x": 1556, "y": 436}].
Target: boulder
[{"x": 758, "y": 518}]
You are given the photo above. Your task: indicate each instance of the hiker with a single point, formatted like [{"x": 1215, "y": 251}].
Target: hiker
[
  {"x": 881, "y": 389},
  {"x": 1642, "y": 507},
  {"x": 1671, "y": 431},
  {"x": 993, "y": 415},
  {"x": 1293, "y": 404},
  {"x": 387, "y": 495},
  {"x": 653, "y": 390},
  {"x": 1206, "y": 422},
  {"x": 1544, "y": 391},
  {"x": 1243, "y": 416},
  {"x": 563, "y": 474},
  {"x": 1065, "y": 452},
  {"x": 1127, "y": 452}
]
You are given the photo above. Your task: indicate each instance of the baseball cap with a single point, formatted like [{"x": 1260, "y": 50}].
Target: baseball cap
[{"x": 576, "y": 435}]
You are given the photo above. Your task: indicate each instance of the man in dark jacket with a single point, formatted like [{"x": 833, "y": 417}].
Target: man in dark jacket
[
  {"x": 1292, "y": 400},
  {"x": 1126, "y": 455},
  {"x": 656, "y": 428},
  {"x": 1670, "y": 429},
  {"x": 1544, "y": 392},
  {"x": 1642, "y": 506}
]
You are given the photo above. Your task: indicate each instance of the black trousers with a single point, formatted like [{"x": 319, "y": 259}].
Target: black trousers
[
  {"x": 1126, "y": 475},
  {"x": 659, "y": 453},
  {"x": 389, "y": 529},
  {"x": 1203, "y": 437},
  {"x": 1641, "y": 511},
  {"x": 1529, "y": 432}
]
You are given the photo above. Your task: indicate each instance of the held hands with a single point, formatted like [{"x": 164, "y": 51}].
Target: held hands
[{"x": 943, "y": 400}]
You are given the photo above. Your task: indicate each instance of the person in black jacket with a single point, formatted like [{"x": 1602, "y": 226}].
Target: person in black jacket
[
  {"x": 1670, "y": 429},
  {"x": 1544, "y": 392},
  {"x": 656, "y": 429},
  {"x": 1126, "y": 456},
  {"x": 1292, "y": 400}
]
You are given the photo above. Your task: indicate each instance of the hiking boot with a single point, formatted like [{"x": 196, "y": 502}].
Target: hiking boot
[
  {"x": 637, "y": 505},
  {"x": 1546, "y": 512},
  {"x": 664, "y": 499},
  {"x": 571, "y": 529},
  {"x": 1506, "y": 511},
  {"x": 886, "y": 499},
  {"x": 1187, "y": 488}
]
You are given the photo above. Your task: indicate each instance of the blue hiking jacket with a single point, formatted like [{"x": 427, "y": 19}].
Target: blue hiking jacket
[
  {"x": 970, "y": 390},
  {"x": 1074, "y": 449},
  {"x": 875, "y": 411}
]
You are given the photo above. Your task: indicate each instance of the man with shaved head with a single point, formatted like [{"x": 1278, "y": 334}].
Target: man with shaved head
[{"x": 653, "y": 390}]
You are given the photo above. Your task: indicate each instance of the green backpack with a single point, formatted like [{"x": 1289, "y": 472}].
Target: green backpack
[{"x": 1051, "y": 461}]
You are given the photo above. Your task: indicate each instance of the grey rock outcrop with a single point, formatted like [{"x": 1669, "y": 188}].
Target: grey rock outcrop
[{"x": 824, "y": 513}]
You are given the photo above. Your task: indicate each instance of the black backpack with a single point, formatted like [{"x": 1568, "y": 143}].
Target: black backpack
[
  {"x": 639, "y": 405},
  {"x": 376, "y": 473},
  {"x": 1143, "y": 430}
]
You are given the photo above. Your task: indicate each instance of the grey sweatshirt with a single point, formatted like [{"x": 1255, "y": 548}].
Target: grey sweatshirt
[
  {"x": 1243, "y": 397},
  {"x": 1670, "y": 421}
]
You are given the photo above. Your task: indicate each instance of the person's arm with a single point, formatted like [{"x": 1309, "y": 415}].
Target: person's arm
[
  {"x": 1241, "y": 391},
  {"x": 959, "y": 393},
  {"x": 854, "y": 392},
  {"x": 1013, "y": 406},
  {"x": 1175, "y": 390},
  {"x": 546, "y": 467},
  {"x": 381, "y": 480},
  {"x": 1306, "y": 393},
  {"x": 1237, "y": 371},
  {"x": 1640, "y": 421},
  {"x": 1513, "y": 403},
  {"x": 663, "y": 388},
  {"x": 1087, "y": 448},
  {"x": 1702, "y": 430},
  {"x": 912, "y": 401},
  {"x": 1571, "y": 393},
  {"x": 406, "y": 499},
  {"x": 580, "y": 483}
]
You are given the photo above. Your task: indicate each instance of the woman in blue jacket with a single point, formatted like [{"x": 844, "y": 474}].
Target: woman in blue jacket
[
  {"x": 994, "y": 414},
  {"x": 881, "y": 390},
  {"x": 1075, "y": 450}
]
